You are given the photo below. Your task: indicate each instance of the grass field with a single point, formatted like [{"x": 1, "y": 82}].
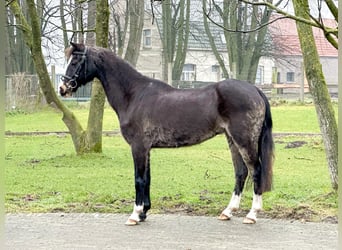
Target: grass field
[{"x": 43, "y": 174}]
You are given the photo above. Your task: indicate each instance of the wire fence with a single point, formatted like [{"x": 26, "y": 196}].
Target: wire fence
[{"x": 23, "y": 91}]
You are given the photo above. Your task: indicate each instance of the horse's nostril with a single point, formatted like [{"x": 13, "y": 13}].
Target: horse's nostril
[{"x": 62, "y": 90}]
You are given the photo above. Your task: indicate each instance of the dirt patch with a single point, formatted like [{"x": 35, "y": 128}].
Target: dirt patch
[
  {"x": 292, "y": 144},
  {"x": 295, "y": 144},
  {"x": 301, "y": 213}
]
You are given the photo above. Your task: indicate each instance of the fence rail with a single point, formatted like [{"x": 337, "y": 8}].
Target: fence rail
[{"x": 23, "y": 92}]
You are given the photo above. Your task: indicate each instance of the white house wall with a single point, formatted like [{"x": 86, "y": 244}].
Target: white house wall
[
  {"x": 294, "y": 64},
  {"x": 330, "y": 69},
  {"x": 204, "y": 60},
  {"x": 268, "y": 64}
]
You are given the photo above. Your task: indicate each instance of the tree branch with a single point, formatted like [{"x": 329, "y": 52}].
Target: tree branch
[
  {"x": 333, "y": 9},
  {"x": 280, "y": 11},
  {"x": 242, "y": 31},
  {"x": 314, "y": 22}
]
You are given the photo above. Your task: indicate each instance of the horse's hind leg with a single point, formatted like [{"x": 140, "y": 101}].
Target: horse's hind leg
[
  {"x": 252, "y": 162},
  {"x": 251, "y": 217},
  {"x": 241, "y": 173}
]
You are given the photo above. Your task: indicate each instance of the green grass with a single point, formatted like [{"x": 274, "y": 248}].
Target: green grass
[
  {"x": 43, "y": 174},
  {"x": 49, "y": 119},
  {"x": 286, "y": 118}
]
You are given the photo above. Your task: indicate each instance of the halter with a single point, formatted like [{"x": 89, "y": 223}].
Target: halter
[{"x": 71, "y": 81}]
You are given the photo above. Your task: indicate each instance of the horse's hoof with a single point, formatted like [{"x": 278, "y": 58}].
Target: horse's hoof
[
  {"x": 223, "y": 217},
  {"x": 131, "y": 222},
  {"x": 249, "y": 221},
  {"x": 142, "y": 217}
]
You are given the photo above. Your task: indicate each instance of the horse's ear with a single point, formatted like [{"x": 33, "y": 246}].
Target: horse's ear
[
  {"x": 73, "y": 44},
  {"x": 77, "y": 46},
  {"x": 74, "y": 47}
]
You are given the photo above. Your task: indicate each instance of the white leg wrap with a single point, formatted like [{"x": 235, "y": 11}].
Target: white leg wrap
[
  {"x": 256, "y": 206},
  {"x": 233, "y": 205},
  {"x": 136, "y": 211}
]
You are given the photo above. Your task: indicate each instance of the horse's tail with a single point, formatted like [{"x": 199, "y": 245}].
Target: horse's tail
[{"x": 266, "y": 148}]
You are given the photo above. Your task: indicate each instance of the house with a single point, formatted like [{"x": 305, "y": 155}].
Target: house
[
  {"x": 284, "y": 65},
  {"x": 200, "y": 64},
  {"x": 288, "y": 57}
]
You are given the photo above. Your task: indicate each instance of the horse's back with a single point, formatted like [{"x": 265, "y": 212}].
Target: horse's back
[{"x": 238, "y": 96}]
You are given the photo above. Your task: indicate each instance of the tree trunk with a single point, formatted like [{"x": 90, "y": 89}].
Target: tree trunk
[
  {"x": 95, "y": 118},
  {"x": 212, "y": 42},
  {"x": 120, "y": 30},
  {"x": 11, "y": 63},
  {"x": 90, "y": 36},
  {"x": 318, "y": 89},
  {"x": 166, "y": 37},
  {"x": 174, "y": 36},
  {"x": 32, "y": 38},
  {"x": 79, "y": 20},
  {"x": 182, "y": 39},
  {"x": 136, "y": 24},
  {"x": 63, "y": 23},
  {"x": 244, "y": 47}
]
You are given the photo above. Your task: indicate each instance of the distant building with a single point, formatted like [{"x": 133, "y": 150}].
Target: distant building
[
  {"x": 288, "y": 57},
  {"x": 281, "y": 66},
  {"x": 200, "y": 63}
]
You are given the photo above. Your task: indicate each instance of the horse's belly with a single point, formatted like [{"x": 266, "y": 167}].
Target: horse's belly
[{"x": 175, "y": 138}]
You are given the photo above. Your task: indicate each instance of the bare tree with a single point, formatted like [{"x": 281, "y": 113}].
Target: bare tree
[
  {"x": 17, "y": 55},
  {"x": 93, "y": 133},
  {"x": 244, "y": 31},
  {"x": 32, "y": 37},
  {"x": 174, "y": 36},
  {"x": 318, "y": 89},
  {"x": 313, "y": 70},
  {"x": 63, "y": 24},
  {"x": 91, "y": 22},
  {"x": 183, "y": 26},
  {"x": 136, "y": 24},
  {"x": 225, "y": 71},
  {"x": 120, "y": 18},
  {"x": 331, "y": 33},
  {"x": 84, "y": 141}
]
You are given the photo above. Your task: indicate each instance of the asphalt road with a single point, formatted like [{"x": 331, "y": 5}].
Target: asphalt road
[{"x": 107, "y": 231}]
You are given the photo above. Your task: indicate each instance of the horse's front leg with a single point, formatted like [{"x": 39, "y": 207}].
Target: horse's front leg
[
  {"x": 142, "y": 183},
  {"x": 147, "y": 200}
]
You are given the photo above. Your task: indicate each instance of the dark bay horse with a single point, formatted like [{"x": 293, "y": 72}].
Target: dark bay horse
[{"x": 153, "y": 114}]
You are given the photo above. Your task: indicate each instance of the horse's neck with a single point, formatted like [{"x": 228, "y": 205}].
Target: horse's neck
[{"x": 120, "y": 82}]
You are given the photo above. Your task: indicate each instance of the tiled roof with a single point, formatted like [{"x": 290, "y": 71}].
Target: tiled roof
[
  {"x": 284, "y": 35},
  {"x": 198, "y": 38}
]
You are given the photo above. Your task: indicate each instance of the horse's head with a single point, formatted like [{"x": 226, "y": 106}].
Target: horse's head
[{"x": 77, "y": 72}]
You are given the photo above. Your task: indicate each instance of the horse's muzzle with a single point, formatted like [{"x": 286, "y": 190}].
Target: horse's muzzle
[{"x": 64, "y": 91}]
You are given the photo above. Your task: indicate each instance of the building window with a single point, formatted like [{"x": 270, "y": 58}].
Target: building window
[
  {"x": 259, "y": 79},
  {"x": 223, "y": 38},
  {"x": 290, "y": 77},
  {"x": 189, "y": 72},
  {"x": 147, "y": 6},
  {"x": 147, "y": 41},
  {"x": 215, "y": 68}
]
